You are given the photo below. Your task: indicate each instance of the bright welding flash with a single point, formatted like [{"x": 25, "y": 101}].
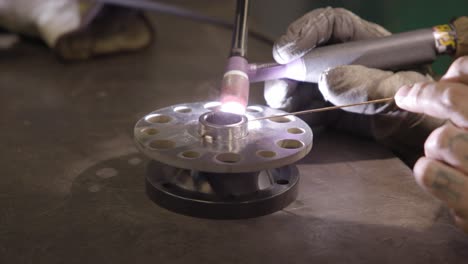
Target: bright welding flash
[{"x": 233, "y": 107}]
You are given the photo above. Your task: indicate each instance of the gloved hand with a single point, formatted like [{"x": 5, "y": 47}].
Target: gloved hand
[
  {"x": 349, "y": 84},
  {"x": 76, "y": 29},
  {"x": 444, "y": 170},
  {"x": 341, "y": 85}
]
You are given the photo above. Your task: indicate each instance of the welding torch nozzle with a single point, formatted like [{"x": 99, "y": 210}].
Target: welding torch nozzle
[{"x": 236, "y": 85}]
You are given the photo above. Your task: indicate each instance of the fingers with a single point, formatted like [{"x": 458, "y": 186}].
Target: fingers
[
  {"x": 444, "y": 100},
  {"x": 444, "y": 170},
  {"x": 303, "y": 35},
  {"x": 461, "y": 222},
  {"x": 355, "y": 84},
  {"x": 447, "y": 184},
  {"x": 349, "y": 27},
  {"x": 458, "y": 71},
  {"x": 321, "y": 26},
  {"x": 350, "y": 84},
  {"x": 450, "y": 145}
]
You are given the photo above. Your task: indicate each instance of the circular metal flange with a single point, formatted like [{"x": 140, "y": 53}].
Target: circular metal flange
[
  {"x": 227, "y": 196},
  {"x": 177, "y": 136}
]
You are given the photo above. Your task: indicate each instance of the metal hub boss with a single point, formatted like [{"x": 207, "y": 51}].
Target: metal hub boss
[{"x": 213, "y": 164}]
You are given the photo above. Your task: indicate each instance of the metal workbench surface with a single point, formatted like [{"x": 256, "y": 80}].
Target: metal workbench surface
[{"x": 72, "y": 181}]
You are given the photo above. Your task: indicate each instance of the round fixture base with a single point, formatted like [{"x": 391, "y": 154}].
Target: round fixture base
[{"x": 221, "y": 196}]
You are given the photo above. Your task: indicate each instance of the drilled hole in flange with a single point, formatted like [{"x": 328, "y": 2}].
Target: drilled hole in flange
[
  {"x": 254, "y": 109},
  {"x": 150, "y": 131},
  {"x": 295, "y": 130},
  {"x": 266, "y": 154},
  {"x": 290, "y": 144},
  {"x": 182, "y": 109},
  {"x": 223, "y": 118},
  {"x": 282, "y": 182},
  {"x": 228, "y": 157},
  {"x": 162, "y": 144},
  {"x": 190, "y": 154},
  {"x": 212, "y": 106},
  {"x": 281, "y": 119},
  {"x": 158, "y": 118}
]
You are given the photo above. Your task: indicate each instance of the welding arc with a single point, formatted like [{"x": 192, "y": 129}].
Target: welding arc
[{"x": 384, "y": 100}]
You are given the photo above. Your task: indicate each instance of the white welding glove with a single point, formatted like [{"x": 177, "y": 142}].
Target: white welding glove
[
  {"x": 347, "y": 84},
  {"x": 76, "y": 29}
]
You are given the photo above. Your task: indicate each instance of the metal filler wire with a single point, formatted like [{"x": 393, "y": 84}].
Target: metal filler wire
[{"x": 383, "y": 100}]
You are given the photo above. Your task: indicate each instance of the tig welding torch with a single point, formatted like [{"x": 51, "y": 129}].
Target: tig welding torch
[
  {"x": 235, "y": 85},
  {"x": 394, "y": 52}
]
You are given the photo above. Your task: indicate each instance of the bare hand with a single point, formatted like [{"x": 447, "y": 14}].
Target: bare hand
[{"x": 444, "y": 170}]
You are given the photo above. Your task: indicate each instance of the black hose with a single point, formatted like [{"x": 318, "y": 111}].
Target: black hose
[
  {"x": 239, "y": 34},
  {"x": 184, "y": 13}
]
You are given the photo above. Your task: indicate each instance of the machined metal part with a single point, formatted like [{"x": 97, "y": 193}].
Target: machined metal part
[
  {"x": 183, "y": 136},
  {"x": 220, "y": 126},
  {"x": 226, "y": 196},
  {"x": 213, "y": 164}
]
